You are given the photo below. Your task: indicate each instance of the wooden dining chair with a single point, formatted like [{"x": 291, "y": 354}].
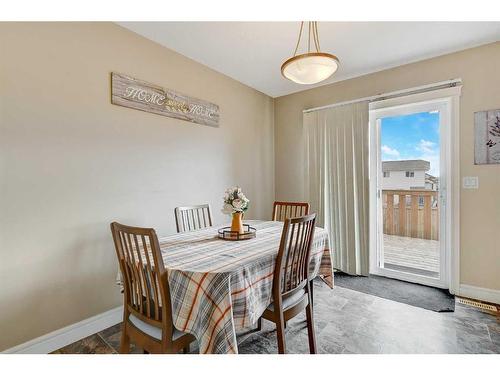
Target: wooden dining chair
[
  {"x": 147, "y": 313},
  {"x": 291, "y": 286},
  {"x": 190, "y": 218},
  {"x": 289, "y": 210}
]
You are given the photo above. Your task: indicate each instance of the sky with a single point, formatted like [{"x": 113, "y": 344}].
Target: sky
[{"x": 414, "y": 136}]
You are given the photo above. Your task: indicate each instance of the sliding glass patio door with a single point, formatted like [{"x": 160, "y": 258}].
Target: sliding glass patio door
[{"x": 408, "y": 160}]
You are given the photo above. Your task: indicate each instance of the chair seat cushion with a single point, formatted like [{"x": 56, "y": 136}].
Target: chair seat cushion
[
  {"x": 151, "y": 330},
  {"x": 290, "y": 300}
]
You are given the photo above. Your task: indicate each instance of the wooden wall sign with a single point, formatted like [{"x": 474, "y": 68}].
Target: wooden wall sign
[{"x": 132, "y": 93}]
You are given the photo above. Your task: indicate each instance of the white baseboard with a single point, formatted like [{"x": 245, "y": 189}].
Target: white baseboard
[
  {"x": 482, "y": 294},
  {"x": 67, "y": 335}
]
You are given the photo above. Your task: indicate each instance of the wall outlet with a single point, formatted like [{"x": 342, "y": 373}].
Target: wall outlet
[{"x": 470, "y": 182}]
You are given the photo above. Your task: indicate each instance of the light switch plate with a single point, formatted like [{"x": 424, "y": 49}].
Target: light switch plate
[{"x": 470, "y": 182}]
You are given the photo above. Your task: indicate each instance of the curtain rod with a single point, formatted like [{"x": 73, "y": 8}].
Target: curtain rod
[{"x": 392, "y": 94}]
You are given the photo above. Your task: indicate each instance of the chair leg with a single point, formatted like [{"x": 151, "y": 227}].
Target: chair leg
[
  {"x": 124, "y": 342},
  {"x": 310, "y": 328},
  {"x": 259, "y": 324},
  {"x": 186, "y": 349},
  {"x": 144, "y": 351},
  {"x": 311, "y": 290},
  {"x": 280, "y": 331}
]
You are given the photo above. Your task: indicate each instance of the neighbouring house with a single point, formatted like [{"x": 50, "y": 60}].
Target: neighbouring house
[
  {"x": 431, "y": 182},
  {"x": 407, "y": 175}
]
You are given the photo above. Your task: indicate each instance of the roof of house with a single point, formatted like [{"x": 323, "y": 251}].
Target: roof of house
[
  {"x": 406, "y": 165},
  {"x": 431, "y": 177}
]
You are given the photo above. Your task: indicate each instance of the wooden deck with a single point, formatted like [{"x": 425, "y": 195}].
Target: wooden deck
[{"x": 409, "y": 254}]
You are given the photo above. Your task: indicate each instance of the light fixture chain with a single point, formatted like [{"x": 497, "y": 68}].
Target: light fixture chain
[
  {"x": 309, "y": 38},
  {"x": 316, "y": 36},
  {"x": 300, "y": 36}
]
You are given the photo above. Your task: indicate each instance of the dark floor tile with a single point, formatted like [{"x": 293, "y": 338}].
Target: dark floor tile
[
  {"x": 328, "y": 345},
  {"x": 470, "y": 344},
  {"x": 258, "y": 344},
  {"x": 110, "y": 331},
  {"x": 347, "y": 351},
  {"x": 113, "y": 340},
  {"x": 469, "y": 313},
  {"x": 90, "y": 345},
  {"x": 494, "y": 331},
  {"x": 297, "y": 343},
  {"x": 363, "y": 344},
  {"x": 299, "y": 324}
]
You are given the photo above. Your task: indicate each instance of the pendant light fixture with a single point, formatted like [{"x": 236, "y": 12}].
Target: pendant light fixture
[{"x": 311, "y": 67}]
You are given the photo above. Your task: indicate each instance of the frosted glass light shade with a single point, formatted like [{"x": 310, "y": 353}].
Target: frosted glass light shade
[{"x": 310, "y": 68}]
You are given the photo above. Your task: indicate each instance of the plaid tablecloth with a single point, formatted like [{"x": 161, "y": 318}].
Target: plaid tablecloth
[{"x": 220, "y": 286}]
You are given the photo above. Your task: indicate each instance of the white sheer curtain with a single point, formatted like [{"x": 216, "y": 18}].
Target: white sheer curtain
[{"x": 336, "y": 180}]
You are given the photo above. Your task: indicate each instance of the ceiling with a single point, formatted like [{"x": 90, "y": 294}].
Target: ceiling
[{"x": 252, "y": 52}]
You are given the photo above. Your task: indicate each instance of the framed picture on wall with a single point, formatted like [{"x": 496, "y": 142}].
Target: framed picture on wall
[{"x": 487, "y": 137}]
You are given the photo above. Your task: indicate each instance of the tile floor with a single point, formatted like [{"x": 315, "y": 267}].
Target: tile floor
[{"x": 347, "y": 321}]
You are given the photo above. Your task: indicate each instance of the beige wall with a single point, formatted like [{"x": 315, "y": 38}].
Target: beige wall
[
  {"x": 70, "y": 163},
  {"x": 480, "y": 209}
]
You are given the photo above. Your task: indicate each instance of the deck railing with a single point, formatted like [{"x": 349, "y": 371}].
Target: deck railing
[{"x": 418, "y": 216}]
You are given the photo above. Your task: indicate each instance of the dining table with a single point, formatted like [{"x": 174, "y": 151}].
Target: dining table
[{"x": 219, "y": 287}]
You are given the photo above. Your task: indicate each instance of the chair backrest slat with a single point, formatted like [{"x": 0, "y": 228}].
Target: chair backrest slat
[
  {"x": 289, "y": 210},
  {"x": 147, "y": 294},
  {"x": 292, "y": 264},
  {"x": 189, "y": 218}
]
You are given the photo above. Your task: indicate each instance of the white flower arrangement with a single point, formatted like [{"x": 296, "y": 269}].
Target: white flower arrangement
[{"x": 234, "y": 201}]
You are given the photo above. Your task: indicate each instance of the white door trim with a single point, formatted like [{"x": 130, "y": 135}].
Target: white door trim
[{"x": 450, "y": 96}]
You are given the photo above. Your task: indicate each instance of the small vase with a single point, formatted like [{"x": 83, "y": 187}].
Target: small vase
[{"x": 237, "y": 224}]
